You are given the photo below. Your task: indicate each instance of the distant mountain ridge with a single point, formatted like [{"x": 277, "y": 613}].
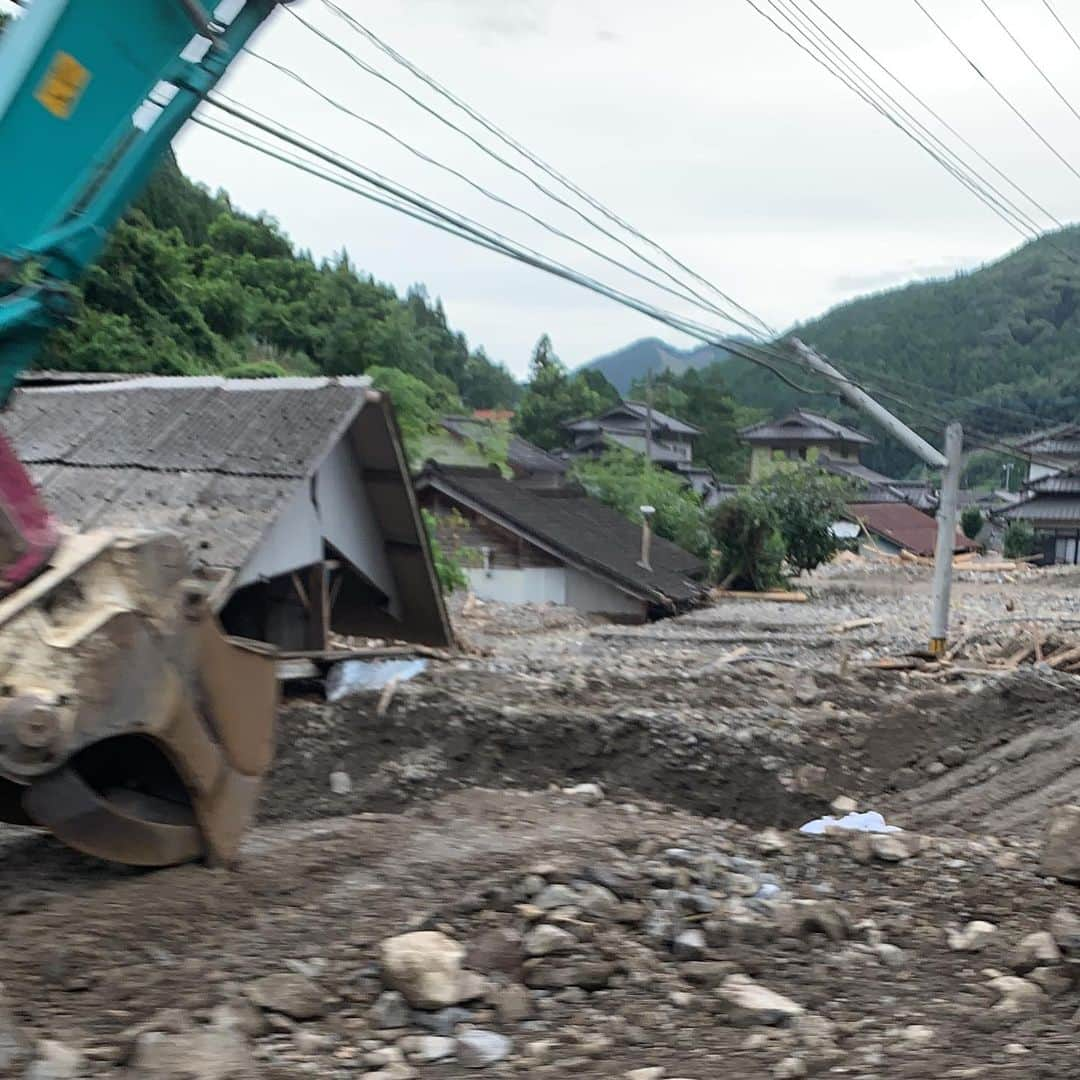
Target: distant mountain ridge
[{"x": 625, "y": 366}]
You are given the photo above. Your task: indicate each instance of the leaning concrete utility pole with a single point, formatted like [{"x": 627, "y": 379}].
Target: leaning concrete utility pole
[{"x": 951, "y": 462}]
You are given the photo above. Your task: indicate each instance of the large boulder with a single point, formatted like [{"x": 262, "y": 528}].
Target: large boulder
[
  {"x": 426, "y": 967},
  {"x": 747, "y": 1003}
]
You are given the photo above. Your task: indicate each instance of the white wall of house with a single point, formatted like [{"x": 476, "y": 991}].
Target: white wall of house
[
  {"x": 589, "y": 594},
  {"x": 1038, "y": 472},
  {"x": 552, "y": 585}
]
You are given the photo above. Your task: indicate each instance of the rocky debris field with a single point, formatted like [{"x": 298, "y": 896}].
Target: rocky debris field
[{"x": 574, "y": 851}]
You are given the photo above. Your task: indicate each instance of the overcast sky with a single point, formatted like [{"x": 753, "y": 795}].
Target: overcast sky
[{"x": 694, "y": 119}]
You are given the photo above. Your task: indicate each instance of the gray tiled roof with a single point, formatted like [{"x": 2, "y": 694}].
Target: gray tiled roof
[
  {"x": 801, "y": 425},
  {"x": 633, "y": 411},
  {"x": 212, "y": 459},
  {"x": 1058, "y": 508}
]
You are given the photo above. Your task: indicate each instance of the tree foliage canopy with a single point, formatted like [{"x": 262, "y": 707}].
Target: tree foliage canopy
[
  {"x": 553, "y": 396},
  {"x": 191, "y": 285},
  {"x": 702, "y": 397},
  {"x": 1005, "y": 335},
  {"x": 625, "y": 481}
]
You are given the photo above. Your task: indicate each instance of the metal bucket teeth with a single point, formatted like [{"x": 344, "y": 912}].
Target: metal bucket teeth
[{"x": 130, "y": 727}]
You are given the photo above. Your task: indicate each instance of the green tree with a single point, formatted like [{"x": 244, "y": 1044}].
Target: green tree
[
  {"x": 552, "y": 397},
  {"x": 418, "y": 405},
  {"x": 971, "y": 522},
  {"x": 190, "y": 285},
  {"x": 804, "y": 503},
  {"x": 1019, "y": 540},
  {"x": 255, "y": 369},
  {"x": 750, "y": 549},
  {"x": 626, "y": 482},
  {"x": 702, "y": 397}
]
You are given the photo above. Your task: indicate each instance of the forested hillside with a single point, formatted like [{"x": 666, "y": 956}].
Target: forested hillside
[
  {"x": 1006, "y": 335},
  {"x": 191, "y": 285}
]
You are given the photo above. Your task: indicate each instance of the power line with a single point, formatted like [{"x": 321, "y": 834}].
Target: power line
[
  {"x": 1031, "y": 60},
  {"x": 484, "y": 148},
  {"x": 938, "y": 117},
  {"x": 998, "y": 92},
  {"x": 1061, "y": 22},
  {"x": 419, "y": 207},
  {"x": 687, "y": 296},
  {"x": 530, "y": 156},
  {"x": 820, "y": 56}
]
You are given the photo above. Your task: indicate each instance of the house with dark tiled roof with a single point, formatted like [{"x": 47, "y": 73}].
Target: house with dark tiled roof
[
  {"x": 1051, "y": 505},
  {"x": 1050, "y": 451},
  {"x": 471, "y": 440},
  {"x": 635, "y": 426},
  {"x": 292, "y": 495},
  {"x": 523, "y": 544},
  {"x": 802, "y": 436}
]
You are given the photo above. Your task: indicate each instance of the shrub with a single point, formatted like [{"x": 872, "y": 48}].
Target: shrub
[
  {"x": 1019, "y": 540},
  {"x": 625, "y": 482},
  {"x": 971, "y": 522},
  {"x": 805, "y": 504},
  {"x": 750, "y": 547},
  {"x": 450, "y": 572}
]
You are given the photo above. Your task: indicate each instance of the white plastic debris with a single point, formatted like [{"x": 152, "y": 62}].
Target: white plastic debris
[
  {"x": 871, "y": 821},
  {"x": 355, "y": 676}
]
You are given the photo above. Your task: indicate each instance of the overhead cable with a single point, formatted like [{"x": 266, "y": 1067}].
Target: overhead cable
[
  {"x": 1031, "y": 60},
  {"x": 938, "y": 117},
  {"x": 687, "y": 296},
  {"x": 500, "y": 159},
  {"x": 997, "y": 91},
  {"x": 1061, "y": 22},
  {"x": 533, "y": 158},
  {"x": 818, "y": 55}
]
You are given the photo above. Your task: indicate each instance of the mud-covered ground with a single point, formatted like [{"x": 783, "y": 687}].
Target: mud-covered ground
[{"x": 631, "y": 923}]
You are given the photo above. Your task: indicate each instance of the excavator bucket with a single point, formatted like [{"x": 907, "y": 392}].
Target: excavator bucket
[{"x": 130, "y": 726}]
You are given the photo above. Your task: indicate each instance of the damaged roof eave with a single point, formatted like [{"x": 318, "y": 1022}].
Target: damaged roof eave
[{"x": 649, "y": 596}]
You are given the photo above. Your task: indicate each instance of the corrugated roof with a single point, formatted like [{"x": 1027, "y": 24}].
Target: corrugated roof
[
  {"x": 212, "y": 459},
  {"x": 243, "y": 426},
  {"x": 581, "y": 529},
  {"x": 801, "y": 425},
  {"x": 904, "y": 526}
]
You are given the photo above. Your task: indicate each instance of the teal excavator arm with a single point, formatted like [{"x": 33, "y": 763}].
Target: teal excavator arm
[
  {"x": 130, "y": 727},
  {"x": 91, "y": 95},
  {"x": 92, "y": 92}
]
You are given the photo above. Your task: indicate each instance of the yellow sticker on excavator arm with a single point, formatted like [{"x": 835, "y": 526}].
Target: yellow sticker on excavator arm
[{"x": 63, "y": 85}]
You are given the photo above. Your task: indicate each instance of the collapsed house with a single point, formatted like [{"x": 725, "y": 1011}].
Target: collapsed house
[
  {"x": 893, "y": 527},
  {"x": 292, "y": 495},
  {"x": 524, "y": 544}
]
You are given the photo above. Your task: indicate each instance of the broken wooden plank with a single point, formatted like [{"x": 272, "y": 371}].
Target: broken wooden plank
[
  {"x": 776, "y": 596},
  {"x": 855, "y": 624},
  {"x": 1064, "y": 656},
  {"x": 1018, "y": 657},
  {"x": 721, "y": 661},
  {"x": 1037, "y": 640},
  {"x": 616, "y": 634}
]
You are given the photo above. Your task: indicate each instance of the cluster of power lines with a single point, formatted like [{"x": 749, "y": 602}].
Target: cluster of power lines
[{"x": 639, "y": 256}]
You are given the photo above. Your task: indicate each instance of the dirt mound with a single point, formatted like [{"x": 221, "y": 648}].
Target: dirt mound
[{"x": 439, "y": 739}]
